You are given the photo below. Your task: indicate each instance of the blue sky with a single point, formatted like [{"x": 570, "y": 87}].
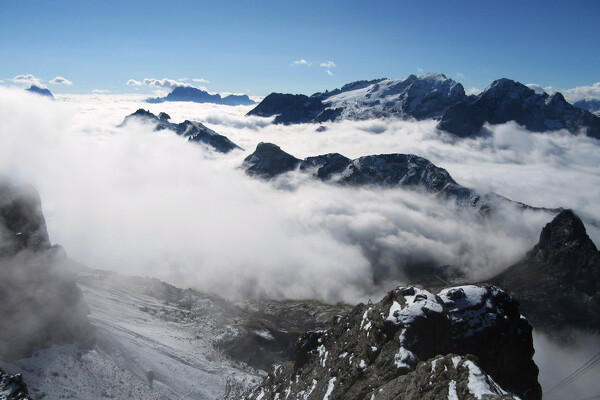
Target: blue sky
[{"x": 251, "y": 46}]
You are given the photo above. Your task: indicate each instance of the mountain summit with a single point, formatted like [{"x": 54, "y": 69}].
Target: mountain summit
[
  {"x": 558, "y": 281},
  {"x": 433, "y": 96},
  {"x": 187, "y": 93},
  {"x": 194, "y": 131}
]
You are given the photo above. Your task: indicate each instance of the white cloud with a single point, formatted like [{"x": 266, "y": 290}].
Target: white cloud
[
  {"x": 301, "y": 62},
  {"x": 157, "y": 205},
  {"x": 28, "y": 80},
  {"x": 583, "y": 93},
  {"x": 536, "y": 88},
  {"x": 460, "y": 75},
  {"x": 100, "y": 91},
  {"x": 164, "y": 83},
  {"x": 59, "y": 80},
  {"x": 420, "y": 70},
  {"x": 473, "y": 90},
  {"x": 328, "y": 65},
  {"x": 201, "y": 80},
  {"x": 573, "y": 95}
]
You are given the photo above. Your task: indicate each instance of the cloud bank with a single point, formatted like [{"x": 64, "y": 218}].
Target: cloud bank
[{"x": 150, "y": 203}]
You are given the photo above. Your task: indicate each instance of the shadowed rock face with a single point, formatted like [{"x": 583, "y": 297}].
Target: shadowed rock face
[
  {"x": 558, "y": 281},
  {"x": 39, "y": 303},
  {"x": 194, "y": 131},
  {"x": 414, "y": 344},
  {"x": 268, "y": 160},
  {"x": 433, "y": 96},
  {"x": 41, "y": 91},
  {"x": 12, "y": 387},
  {"x": 506, "y": 100}
]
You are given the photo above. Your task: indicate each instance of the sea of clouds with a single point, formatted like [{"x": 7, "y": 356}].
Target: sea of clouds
[{"x": 150, "y": 203}]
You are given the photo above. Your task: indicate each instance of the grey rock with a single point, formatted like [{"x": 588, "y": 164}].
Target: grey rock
[
  {"x": 558, "y": 281},
  {"x": 194, "y": 131},
  {"x": 414, "y": 344},
  {"x": 188, "y": 93}
]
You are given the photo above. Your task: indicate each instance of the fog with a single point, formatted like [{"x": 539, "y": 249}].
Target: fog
[
  {"x": 149, "y": 203},
  {"x": 558, "y": 361}
]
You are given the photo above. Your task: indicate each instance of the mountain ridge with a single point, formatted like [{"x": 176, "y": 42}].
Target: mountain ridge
[
  {"x": 194, "y": 131},
  {"x": 188, "y": 93},
  {"x": 433, "y": 96}
]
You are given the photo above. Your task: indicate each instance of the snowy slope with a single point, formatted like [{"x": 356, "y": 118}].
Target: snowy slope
[
  {"x": 426, "y": 96},
  {"x": 146, "y": 349}
]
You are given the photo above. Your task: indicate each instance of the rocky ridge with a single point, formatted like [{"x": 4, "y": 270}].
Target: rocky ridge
[
  {"x": 40, "y": 303},
  {"x": 386, "y": 170},
  {"x": 468, "y": 341},
  {"x": 193, "y": 131},
  {"x": 433, "y": 96},
  {"x": 41, "y": 91},
  {"x": 188, "y": 93},
  {"x": 12, "y": 387},
  {"x": 558, "y": 281}
]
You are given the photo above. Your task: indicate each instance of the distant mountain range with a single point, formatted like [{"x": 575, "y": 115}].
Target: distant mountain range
[
  {"x": 194, "y": 131},
  {"x": 433, "y": 96},
  {"x": 186, "y": 93},
  {"x": 41, "y": 91}
]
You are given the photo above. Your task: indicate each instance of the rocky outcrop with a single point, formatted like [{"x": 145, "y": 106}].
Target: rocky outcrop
[
  {"x": 387, "y": 170},
  {"x": 591, "y": 105},
  {"x": 41, "y": 91},
  {"x": 194, "y": 131},
  {"x": 40, "y": 303},
  {"x": 12, "y": 387},
  {"x": 188, "y": 93},
  {"x": 467, "y": 341},
  {"x": 433, "y": 96},
  {"x": 506, "y": 100},
  {"x": 558, "y": 281},
  {"x": 268, "y": 161}
]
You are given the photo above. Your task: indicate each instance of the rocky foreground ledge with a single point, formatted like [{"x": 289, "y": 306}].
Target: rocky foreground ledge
[{"x": 467, "y": 342}]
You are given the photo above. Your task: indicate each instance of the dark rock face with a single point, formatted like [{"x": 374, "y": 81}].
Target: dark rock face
[
  {"x": 433, "y": 96},
  {"x": 268, "y": 160},
  {"x": 40, "y": 304},
  {"x": 194, "y": 131},
  {"x": 388, "y": 170},
  {"x": 467, "y": 340},
  {"x": 558, "y": 281},
  {"x": 183, "y": 93},
  {"x": 22, "y": 224},
  {"x": 41, "y": 91},
  {"x": 506, "y": 100},
  {"x": 289, "y": 108},
  {"x": 12, "y": 387}
]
